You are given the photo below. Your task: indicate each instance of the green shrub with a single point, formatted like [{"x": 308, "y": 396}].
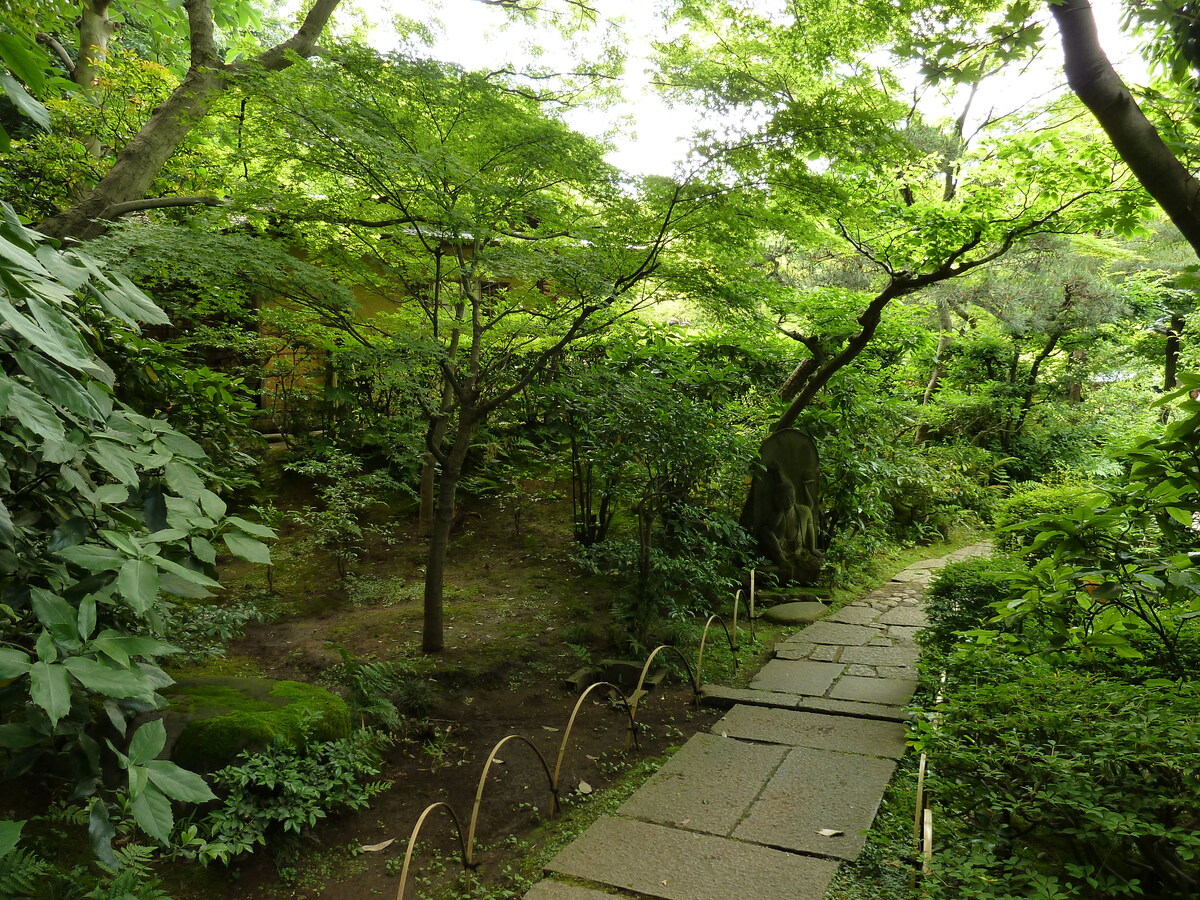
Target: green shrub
[
  {"x": 1017, "y": 518},
  {"x": 283, "y": 790},
  {"x": 1051, "y": 784},
  {"x": 961, "y": 595}
]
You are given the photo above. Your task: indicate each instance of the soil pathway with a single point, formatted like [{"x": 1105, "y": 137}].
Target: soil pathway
[{"x": 768, "y": 804}]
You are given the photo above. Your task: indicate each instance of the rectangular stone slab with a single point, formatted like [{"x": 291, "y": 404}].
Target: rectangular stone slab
[
  {"x": 855, "y": 614},
  {"x": 683, "y": 865},
  {"x": 706, "y": 786},
  {"x": 837, "y": 633},
  {"x": 815, "y": 790},
  {"x": 557, "y": 890},
  {"x": 888, "y": 691},
  {"x": 850, "y": 708},
  {"x": 870, "y": 737},
  {"x": 880, "y": 656},
  {"x": 797, "y": 677},
  {"x": 724, "y": 697},
  {"x": 912, "y": 616}
]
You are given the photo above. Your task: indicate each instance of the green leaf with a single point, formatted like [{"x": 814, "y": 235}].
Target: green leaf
[
  {"x": 1182, "y": 516},
  {"x": 178, "y": 783},
  {"x": 214, "y": 507},
  {"x": 183, "y": 478},
  {"x": 13, "y": 663},
  {"x": 245, "y": 547},
  {"x": 93, "y": 557},
  {"x": 24, "y": 102},
  {"x": 189, "y": 575},
  {"x": 101, "y": 833},
  {"x": 182, "y": 445},
  {"x": 87, "y": 617},
  {"x": 10, "y": 833},
  {"x": 68, "y": 534},
  {"x": 32, "y": 411},
  {"x": 204, "y": 550},
  {"x": 251, "y": 527},
  {"x": 152, "y": 812},
  {"x": 55, "y": 613},
  {"x": 57, "y": 386},
  {"x": 96, "y": 676},
  {"x": 122, "y": 646},
  {"x": 18, "y": 736},
  {"x": 50, "y": 688},
  {"x": 115, "y": 460},
  {"x": 7, "y": 530},
  {"x": 147, "y": 742},
  {"x": 26, "y": 61},
  {"x": 138, "y": 584}
]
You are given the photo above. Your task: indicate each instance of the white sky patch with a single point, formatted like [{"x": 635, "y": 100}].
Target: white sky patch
[{"x": 648, "y": 135}]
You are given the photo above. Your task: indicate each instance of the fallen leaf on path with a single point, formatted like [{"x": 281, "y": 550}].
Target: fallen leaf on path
[
  {"x": 830, "y": 832},
  {"x": 375, "y": 848},
  {"x": 584, "y": 787},
  {"x": 549, "y": 728}
]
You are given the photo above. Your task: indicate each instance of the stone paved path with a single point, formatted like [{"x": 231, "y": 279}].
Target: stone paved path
[{"x": 767, "y": 805}]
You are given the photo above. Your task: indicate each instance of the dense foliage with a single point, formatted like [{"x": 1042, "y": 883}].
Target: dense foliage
[{"x": 420, "y": 283}]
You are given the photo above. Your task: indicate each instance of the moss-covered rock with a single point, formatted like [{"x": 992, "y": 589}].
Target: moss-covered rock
[{"x": 213, "y": 719}]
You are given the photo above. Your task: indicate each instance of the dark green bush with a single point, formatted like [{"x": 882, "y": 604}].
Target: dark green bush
[
  {"x": 961, "y": 595},
  {"x": 1017, "y": 518},
  {"x": 1052, "y": 784}
]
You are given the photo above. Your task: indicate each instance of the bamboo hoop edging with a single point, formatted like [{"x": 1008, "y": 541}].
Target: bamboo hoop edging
[
  {"x": 704, "y": 637},
  {"x": 740, "y": 600},
  {"x": 638, "y": 691},
  {"x": 487, "y": 766},
  {"x": 412, "y": 842},
  {"x": 630, "y": 712}
]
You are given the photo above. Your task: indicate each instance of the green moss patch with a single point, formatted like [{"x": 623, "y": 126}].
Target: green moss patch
[{"x": 213, "y": 719}]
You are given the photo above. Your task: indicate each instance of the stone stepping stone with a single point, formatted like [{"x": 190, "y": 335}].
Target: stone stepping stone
[
  {"x": 557, "y": 890},
  {"x": 869, "y": 737},
  {"x": 657, "y": 861},
  {"x": 707, "y": 786},
  {"x": 797, "y": 677},
  {"x": 815, "y": 790},
  {"x": 851, "y": 708},
  {"x": 887, "y": 691},
  {"x": 880, "y": 656},
  {"x": 837, "y": 633},
  {"x": 903, "y": 635},
  {"x": 855, "y": 615},
  {"x": 722, "y": 697},
  {"x": 911, "y": 616},
  {"x": 796, "y": 650},
  {"x": 910, "y": 576},
  {"x": 799, "y": 612}
]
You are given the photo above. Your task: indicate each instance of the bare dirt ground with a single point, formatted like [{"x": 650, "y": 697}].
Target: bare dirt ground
[{"x": 519, "y": 620}]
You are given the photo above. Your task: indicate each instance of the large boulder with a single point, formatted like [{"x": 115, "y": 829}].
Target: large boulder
[{"x": 213, "y": 719}]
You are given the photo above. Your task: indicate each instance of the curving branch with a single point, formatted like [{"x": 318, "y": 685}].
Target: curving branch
[{"x": 1093, "y": 79}]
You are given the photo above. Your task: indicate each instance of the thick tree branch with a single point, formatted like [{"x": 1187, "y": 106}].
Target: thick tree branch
[
  {"x": 60, "y": 51},
  {"x": 131, "y": 206},
  {"x": 147, "y": 152},
  {"x": 1093, "y": 79}
]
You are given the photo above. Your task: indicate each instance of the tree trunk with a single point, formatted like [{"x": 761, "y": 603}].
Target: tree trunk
[
  {"x": 140, "y": 161},
  {"x": 432, "y": 639},
  {"x": 95, "y": 30},
  {"x": 1093, "y": 79},
  {"x": 1171, "y": 360}
]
